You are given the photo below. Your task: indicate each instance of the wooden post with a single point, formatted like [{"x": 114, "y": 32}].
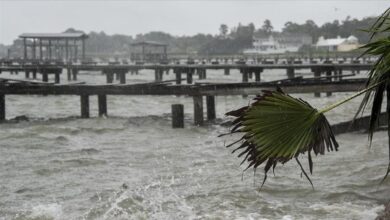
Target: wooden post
[
  {"x": 178, "y": 76},
  {"x": 34, "y": 74},
  {"x": 40, "y": 49},
  {"x": 50, "y": 50},
  {"x": 227, "y": 71},
  {"x": 84, "y": 101},
  {"x": 2, "y": 107},
  {"x": 102, "y": 104},
  {"x": 257, "y": 75},
  {"x": 27, "y": 74},
  {"x": 83, "y": 48},
  {"x": 189, "y": 76},
  {"x": 122, "y": 77},
  {"x": 329, "y": 74},
  {"x": 109, "y": 76},
  {"x": 57, "y": 78},
  {"x": 198, "y": 110},
  {"x": 177, "y": 116},
  {"x": 210, "y": 102},
  {"x": 161, "y": 74},
  {"x": 244, "y": 72},
  {"x": 340, "y": 73},
  {"x": 45, "y": 76},
  {"x": 69, "y": 73},
  {"x": 66, "y": 50},
  {"x": 34, "y": 53},
  {"x": 74, "y": 73},
  {"x": 25, "y": 48},
  {"x": 290, "y": 73},
  {"x": 317, "y": 73}
]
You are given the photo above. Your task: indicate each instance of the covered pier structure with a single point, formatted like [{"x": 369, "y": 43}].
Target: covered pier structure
[
  {"x": 53, "y": 46},
  {"x": 148, "y": 52}
]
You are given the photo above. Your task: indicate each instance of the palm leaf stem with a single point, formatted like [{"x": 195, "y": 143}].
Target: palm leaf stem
[{"x": 334, "y": 105}]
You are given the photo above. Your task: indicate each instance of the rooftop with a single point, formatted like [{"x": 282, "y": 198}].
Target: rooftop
[
  {"x": 54, "y": 35},
  {"x": 150, "y": 43}
]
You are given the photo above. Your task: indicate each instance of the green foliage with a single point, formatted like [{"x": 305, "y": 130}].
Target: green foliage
[
  {"x": 278, "y": 128},
  {"x": 380, "y": 73}
]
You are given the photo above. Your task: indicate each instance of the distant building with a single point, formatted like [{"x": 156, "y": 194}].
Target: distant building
[
  {"x": 279, "y": 44},
  {"x": 338, "y": 44}
]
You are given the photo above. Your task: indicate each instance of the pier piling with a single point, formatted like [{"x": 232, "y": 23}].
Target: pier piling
[
  {"x": 177, "y": 116},
  {"x": 102, "y": 105},
  {"x": 2, "y": 107},
  {"x": 210, "y": 103},
  {"x": 198, "y": 110},
  {"x": 84, "y": 101}
]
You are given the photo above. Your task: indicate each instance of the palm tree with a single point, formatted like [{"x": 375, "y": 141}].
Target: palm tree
[
  {"x": 379, "y": 74},
  {"x": 278, "y": 128}
]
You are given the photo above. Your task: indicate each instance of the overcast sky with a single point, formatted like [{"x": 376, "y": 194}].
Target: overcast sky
[{"x": 178, "y": 17}]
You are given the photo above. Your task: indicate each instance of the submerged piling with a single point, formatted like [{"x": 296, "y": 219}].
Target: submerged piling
[{"x": 177, "y": 116}]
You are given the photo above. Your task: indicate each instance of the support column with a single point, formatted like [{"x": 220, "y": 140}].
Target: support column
[
  {"x": 57, "y": 78},
  {"x": 2, "y": 107},
  {"x": 227, "y": 71},
  {"x": 189, "y": 76},
  {"x": 102, "y": 105},
  {"x": 109, "y": 76},
  {"x": 40, "y": 50},
  {"x": 69, "y": 73},
  {"x": 74, "y": 73},
  {"x": 83, "y": 48},
  {"x": 34, "y": 54},
  {"x": 317, "y": 73},
  {"x": 177, "y": 116},
  {"x": 84, "y": 101},
  {"x": 50, "y": 50},
  {"x": 329, "y": 74},
  {"x": 157, "y": 75},
  {"x": 290, "y": 73},
  {"x": 34, "y": 73},
  {"x": 258, "y": 75},
  {"x": 25, "y": 48},
  {"x": 178, "y": 76},
  {"x": 75, "y": 49},
  {"x": 27, "y": 72},
  {"x": 244, "y": 72},
  {"x": 210, "y": 102},
  {"x": 198, "y": 110},
  {"x": 122, "y": 77},
  {"x": 45, "y": 76},
  {"x": 66, "y": 50}
]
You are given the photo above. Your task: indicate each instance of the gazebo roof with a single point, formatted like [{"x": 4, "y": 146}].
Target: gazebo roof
[
  {"x": 54, "y": 35},
  {"x": 148, "y": 43}
]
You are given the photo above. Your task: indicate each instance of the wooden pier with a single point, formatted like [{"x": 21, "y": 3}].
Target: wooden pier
[{"x": 198, "y": 92}]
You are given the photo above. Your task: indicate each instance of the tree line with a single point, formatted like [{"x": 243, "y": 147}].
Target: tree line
[{"x": 229, "y": 40}]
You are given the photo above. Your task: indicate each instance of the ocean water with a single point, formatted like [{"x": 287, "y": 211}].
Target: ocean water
[{"x": 133, "y": 165}]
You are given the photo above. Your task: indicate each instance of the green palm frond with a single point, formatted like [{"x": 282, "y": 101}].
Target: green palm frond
[
  {"x": 278, "y": 128},
  {"x": 380, "y": 73}
]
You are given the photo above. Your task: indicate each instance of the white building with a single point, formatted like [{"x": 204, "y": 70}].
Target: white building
[
  {"x": 338, "y": 44},
  {"x": 278, "y": 44}
]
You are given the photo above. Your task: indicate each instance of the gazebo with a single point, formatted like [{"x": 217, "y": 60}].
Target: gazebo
[
  {"x": 148, "y": 51},
  {"x": 53, "y": 45}
]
